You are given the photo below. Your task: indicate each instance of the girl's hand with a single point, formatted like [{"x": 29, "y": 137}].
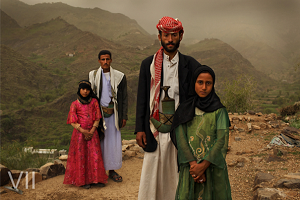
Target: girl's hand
[
  {"x": 197, "y": 170},
  {"x": 200, "y": 179}
]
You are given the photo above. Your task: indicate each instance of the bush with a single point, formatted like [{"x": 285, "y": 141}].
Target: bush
[
  {"x": 290, "y": 110},
  {"x": 237, "y": 95},
  {"x": 13, "y": 157}
]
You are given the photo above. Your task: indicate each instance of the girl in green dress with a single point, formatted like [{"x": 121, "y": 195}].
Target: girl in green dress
[{"x": 201, "y": 132}]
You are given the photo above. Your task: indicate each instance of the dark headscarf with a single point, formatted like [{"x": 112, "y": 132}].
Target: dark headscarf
[
  {"x": 186, "y": 111},
  {"x": 84, "y": 84}
]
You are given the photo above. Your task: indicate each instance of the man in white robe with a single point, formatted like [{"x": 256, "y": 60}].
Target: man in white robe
[
  {"x": 110, "y": 86},
  {"x": 168, "y": 67}
]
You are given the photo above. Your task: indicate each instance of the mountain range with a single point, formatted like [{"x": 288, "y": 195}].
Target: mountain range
[{"x": 43, "y": 56}]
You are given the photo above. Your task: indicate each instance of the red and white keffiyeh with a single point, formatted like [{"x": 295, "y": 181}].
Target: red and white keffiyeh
[
  {"x": 155, "y": 71},
  {"x": 169, "y": 25},
  {"x": 166, "y": 25}
]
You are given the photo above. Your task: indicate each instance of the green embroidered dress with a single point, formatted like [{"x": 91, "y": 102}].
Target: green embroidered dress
[{"x": 204, "y": 138}]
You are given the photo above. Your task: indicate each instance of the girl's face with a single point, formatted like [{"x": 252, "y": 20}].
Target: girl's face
[
  {"x": 84, "y": 92},
  {"x": 204, "y": 84}
]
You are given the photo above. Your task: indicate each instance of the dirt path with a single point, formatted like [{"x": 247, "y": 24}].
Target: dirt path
[
  {"x": 54, "y": 189},
  {"x": 243, "y": 150}
]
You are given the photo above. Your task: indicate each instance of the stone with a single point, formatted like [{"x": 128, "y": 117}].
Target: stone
[
  {"x": 127, "y": 142},
  {"x": 279, "y": 152},
  {"x": 279, "y": 183},
  {"x": 57, "y": 162},
  {"x": 240, "y": 164},
  {"x": 249, "y": 119},
  {"x": 262, "y": 177},
  {"x": 125, "y": 147},
  {"x": 292, "y": 183},
  {"x": 235, "y": 113},
  {"x": 52, "y": 170},
  {"x": 37, "y": 178},
  {"x": 259, "y": 114},
  {"x": 16, "y": 173},
  {"x": 291, "y": 130},
  {"x": 257, "y": 159},
  {"x": 255, "y": 127},
  {"x": 269, "y": 126},
  {"x": 263, "y": 125},
  {"x": 4, "y": 175},
  {"x": 293, "y": 175},
  {"x": 267, "y": 194},
  {"x": 243, "y": 160},
  {"x": 129, "y": 154},
  {"x": 237, "y": 138},
  {"x": 137, "y": 149},
  {"x": 63, "y": 157},
  {"x": 249, "y": 125},
  {"x": 287, "y": 119},
  {"x": 235, "y": 121},
  {"x": 267, "y": 119},
  {"x": 241, "y": 129},
  {"x": 232, "y": 163},
  {"x": 273, "y": 158},
  {"x": 251, "y": 112}
]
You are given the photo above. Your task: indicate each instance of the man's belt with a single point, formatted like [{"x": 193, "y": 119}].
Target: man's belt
[{"x": 108, "y": 111}]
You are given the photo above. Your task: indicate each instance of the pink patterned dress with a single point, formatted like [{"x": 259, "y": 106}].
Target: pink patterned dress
[{"x": 85, "y": 163}]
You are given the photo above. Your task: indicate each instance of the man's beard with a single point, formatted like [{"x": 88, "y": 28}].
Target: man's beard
[{"x": 175, "y": 47}]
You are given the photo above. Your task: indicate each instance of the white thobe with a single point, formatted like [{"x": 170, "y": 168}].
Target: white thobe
[
  {"x": 111, "y": 145},
  {"x": 159, "y": 176}
]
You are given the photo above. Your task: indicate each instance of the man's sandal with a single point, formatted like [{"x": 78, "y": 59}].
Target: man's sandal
[{"x": 115, "y": 177}]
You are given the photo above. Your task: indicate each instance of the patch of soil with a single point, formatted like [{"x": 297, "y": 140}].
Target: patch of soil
[{"x": 247, "y": 156}]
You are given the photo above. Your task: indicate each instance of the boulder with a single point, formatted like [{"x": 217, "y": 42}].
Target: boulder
[
  {"x": 124, "y": 147},
  {"x": 63, "y": 157},
  {"x": 51, "y": 170},
  {"x": 127, "y": 142},
  {"x": 4, "y": 175},
  {"x": 255, "y": 127},
  {"x": 267, "y": 194},
  {"x": 249, "y": 126},
  {"x": 262, "y": 177},
  {"x": 293, "y": 175}
]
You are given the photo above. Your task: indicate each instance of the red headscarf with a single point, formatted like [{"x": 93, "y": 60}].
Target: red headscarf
[{"x": 169, "y": 25}]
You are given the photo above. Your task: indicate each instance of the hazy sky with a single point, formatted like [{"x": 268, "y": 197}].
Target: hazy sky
[{"x": 262, "y": 16}]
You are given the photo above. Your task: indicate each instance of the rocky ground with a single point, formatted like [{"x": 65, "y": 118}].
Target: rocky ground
[{"x": 253, "y": 167}]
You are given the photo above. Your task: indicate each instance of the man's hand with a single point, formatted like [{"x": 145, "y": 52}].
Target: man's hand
[
  {"x": 124, "y": 123},
  {"x": 141, "y": 139}
]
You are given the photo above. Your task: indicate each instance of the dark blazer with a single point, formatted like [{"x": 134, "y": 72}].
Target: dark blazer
[{"x": 186, "y": 67}]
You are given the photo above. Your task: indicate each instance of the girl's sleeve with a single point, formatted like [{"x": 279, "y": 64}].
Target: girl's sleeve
[
  {"x": 216, "y": 154},
  {"x": 184, "y": 153},
  {"x": 72, "y": 116},
  {"x": 96, "y": 111}
]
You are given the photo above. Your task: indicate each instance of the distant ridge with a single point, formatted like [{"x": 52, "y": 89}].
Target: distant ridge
[{"x": 114, "y": 27}]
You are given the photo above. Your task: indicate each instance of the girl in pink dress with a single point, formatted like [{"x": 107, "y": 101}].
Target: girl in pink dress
[{"x": 85, "y": 164}]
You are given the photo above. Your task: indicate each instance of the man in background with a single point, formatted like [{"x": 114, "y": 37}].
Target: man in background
[{"x": 110, "y": 86}]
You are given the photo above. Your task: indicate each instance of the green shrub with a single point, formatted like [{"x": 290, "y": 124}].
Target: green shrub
[
  {"x": 237, "y": 95},
  {"x": 14, "y": 157}
]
